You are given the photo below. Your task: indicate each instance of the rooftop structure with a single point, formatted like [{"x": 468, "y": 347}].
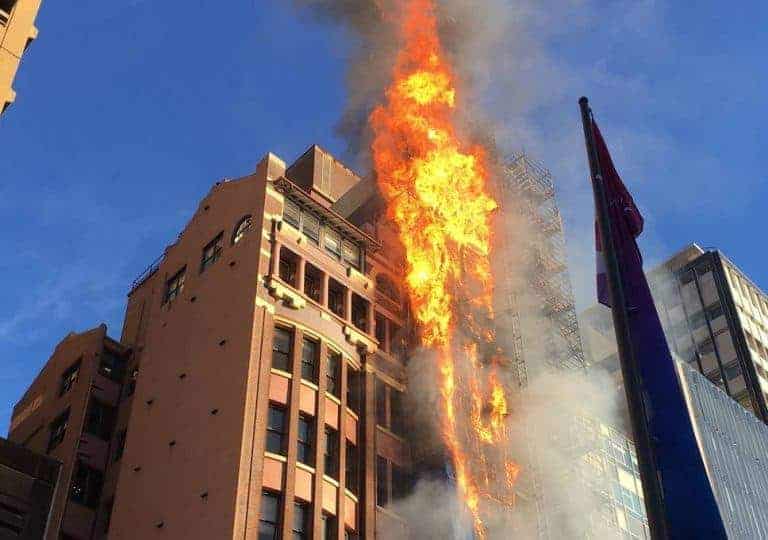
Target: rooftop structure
[{"x": 17, "y": 31}]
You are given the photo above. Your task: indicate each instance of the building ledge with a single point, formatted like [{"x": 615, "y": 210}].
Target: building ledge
[
  {"x": 359, "y": 278},
  {"x": 360, "y": 339},
  {"x": 285, "y": 293}
]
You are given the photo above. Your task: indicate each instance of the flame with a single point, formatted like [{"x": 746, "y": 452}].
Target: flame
[{"x": 435, "y": 187}]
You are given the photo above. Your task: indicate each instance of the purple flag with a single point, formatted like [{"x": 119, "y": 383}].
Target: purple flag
[{"x": 624, "y": 216}]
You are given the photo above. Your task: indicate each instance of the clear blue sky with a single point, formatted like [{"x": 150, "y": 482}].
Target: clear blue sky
[{"x": 127, "y": 112}]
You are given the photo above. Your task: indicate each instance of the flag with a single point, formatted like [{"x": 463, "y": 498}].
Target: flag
[
  {"x": 625, "y": 217},
  {"x": 689, "y": 506}
]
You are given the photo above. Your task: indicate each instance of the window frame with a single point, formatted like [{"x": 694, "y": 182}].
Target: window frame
[
  {"x": 305, "y": 447},
  {"x": 382, "y": 482},
  {"x": 288, "y": 366},
  {"x": 104, "y": 423},
  {"x": 281, "y": 433},
  {"x": 305, "y": 522},
  {"x": 70, "y": 376},
  {"x": 215, "y": 246},
  {"x": 174, "y": 285},
  {"x": 333, "y": 372},
  {"x": 331, "y": 452},
  {"x": 272, "y": 522},
  {"x": 242, "y": 229},
  {"x": 93, "y": 483},
  {"x": 310, "y": 369},
  {"x": 58, "y": 430}
]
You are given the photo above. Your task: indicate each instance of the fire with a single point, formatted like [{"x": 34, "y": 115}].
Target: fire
[{"x": 435, "y": 187}]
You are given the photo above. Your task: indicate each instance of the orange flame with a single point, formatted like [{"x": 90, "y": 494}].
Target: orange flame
[{"x": 435, "y": 187}]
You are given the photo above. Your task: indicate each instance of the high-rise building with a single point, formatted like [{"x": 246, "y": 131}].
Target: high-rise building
[
  {"x": 17, "y": 30},
  {"x": 715, "y": 318},
  {"x": 28, "y": 482},
  {"x": 76, "y": 411}
]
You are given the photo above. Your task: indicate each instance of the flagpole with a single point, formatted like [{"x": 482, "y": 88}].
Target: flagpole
[{"x": 654, "y": 504}]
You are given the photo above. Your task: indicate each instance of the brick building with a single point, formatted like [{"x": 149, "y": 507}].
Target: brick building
[
  {"x": 256, "y": 390},
  {"x": 17, "y": 31}
]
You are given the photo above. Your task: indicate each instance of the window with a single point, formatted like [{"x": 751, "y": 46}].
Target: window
[
  {"x": 349, "y": 534},
  {"x": 352, "y": 468},
  {"x": 6, "y": 6},
  {"x": 86, "y": 485},
  {"x": 353, "y": 389},
  {"x": 328, "y": 531},
  {"x": 301, "y": 518},
  {"x": 351, "y": 254},
  {"x": 120, "y": 444},
  {"x": 386, "y": 287},
  {"x": 395, "y": 339},
  {"x": 241, "y": 229},
  {"x": 360, "y": 312},
  {"x": 402, "y": 482},
  {"x": 281, "y": 349},
  {"x": 331, "y": 453},
  {"x": 313, "y": 283},
  {"x": 289, "y": 263},
  {"x": 174, "y": 286},
  {"x": 310, "y": 351},
  {"x": 292, "y": 213},
  {"x": 381, "y": 331},
  {"x": 333, "y": 372},
  {"x": 732, "y": 371},
  {"x": 69, "y": 377},
  {"x": 381, "y": 403},
  {"x": 396, "y": 412},
  {"x": 269, "y": 517},
  {"x": 130, "y": 386},
  {"x": 100, "y": 419},
  {"x": 382, "y": 481},
  {"x": 111, "y": 366},
  {"x": 305, "y": 448},
  {"x": 332, "y": 243},
  {"x": 276, "y": 429},
  {"x": 336, "y": 294},
  {"x": 211, "y": 252},
  {"x": 311, "y": 227},
  {"x": 58, "y": 430}
]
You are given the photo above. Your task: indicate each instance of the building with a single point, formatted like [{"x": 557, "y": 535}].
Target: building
[
  {"x": 76, "y": 411},
  {"x": 28, "y": 483},
  {"x": 259, "y": 365},
  {"x": 734, "y": 444},
  {"x": 17, "y": 30}
]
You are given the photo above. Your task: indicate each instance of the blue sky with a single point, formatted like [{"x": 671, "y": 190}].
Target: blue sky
[{"x": 128, "y": 111}]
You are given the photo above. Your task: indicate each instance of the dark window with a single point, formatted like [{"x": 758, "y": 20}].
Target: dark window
[
  {"x": 333, "y": 372},
  {"x": 58, "y": 430},
  {"x": 292, "y": 213},
  {"x": 332, "y": 243},
  {"x": 276, "y": 429},
  {"x": 305, "y": 450},
  {"x": 289, "y": 263},
  {"x": 697, "y": 320},
  {"x": 336, "y": 294},
  {"x": 331, "y": 452},
  {"x": 111, "y": 366},
  {"x": 86, "y": 485},
  {"x": 108, "y": 506},
  {"x": 353, "y": 389},
  {"x": 281, "y": 349},
  {"x": 310, "y": 352},
  {"x": 211, "y": 252},
  {"x": 241, "y": 229},
  {"x": 382, "y": 481},
  {"x": 351, "y": 253},
  {"x": 360, "y": 312},
  {"x": 352, "y": 468},
  {"x": 381, "y": 404},
  {"x": 732, "y": 371},
  {"x": 328, "y": 531},
  {"x": 313, "y": 283},
  {"x": 311, "y": 227},
  {"x": 69, "y": 377},
  {"x": 402, "y": 482},
  {"x": 269, "y": 517},
  {"x": 395, "y": 339},
  {"x": 7, "y": 5},
  {"x": 396, "y": 412},
  {"x": 381, "y": 331},
  {"x": 385, "y": 286},
  {"x": 120, "y": 444},
  {"x": 100, "y": 419},
  {"x": 301, "y": 517},
  {"x": 713, "y": 312},
  {"x": 349, "y": 534},
  {"x": 174, "y": 286},
  {"x": 130, "y": 385}
]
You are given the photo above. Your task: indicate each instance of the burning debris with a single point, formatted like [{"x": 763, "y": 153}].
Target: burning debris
[{"x": 436, "y": 189}]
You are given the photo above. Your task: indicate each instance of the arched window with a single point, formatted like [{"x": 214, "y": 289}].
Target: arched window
[
  {"x": 387, "y": 287},
  {"x": 242, "y": 229}
]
